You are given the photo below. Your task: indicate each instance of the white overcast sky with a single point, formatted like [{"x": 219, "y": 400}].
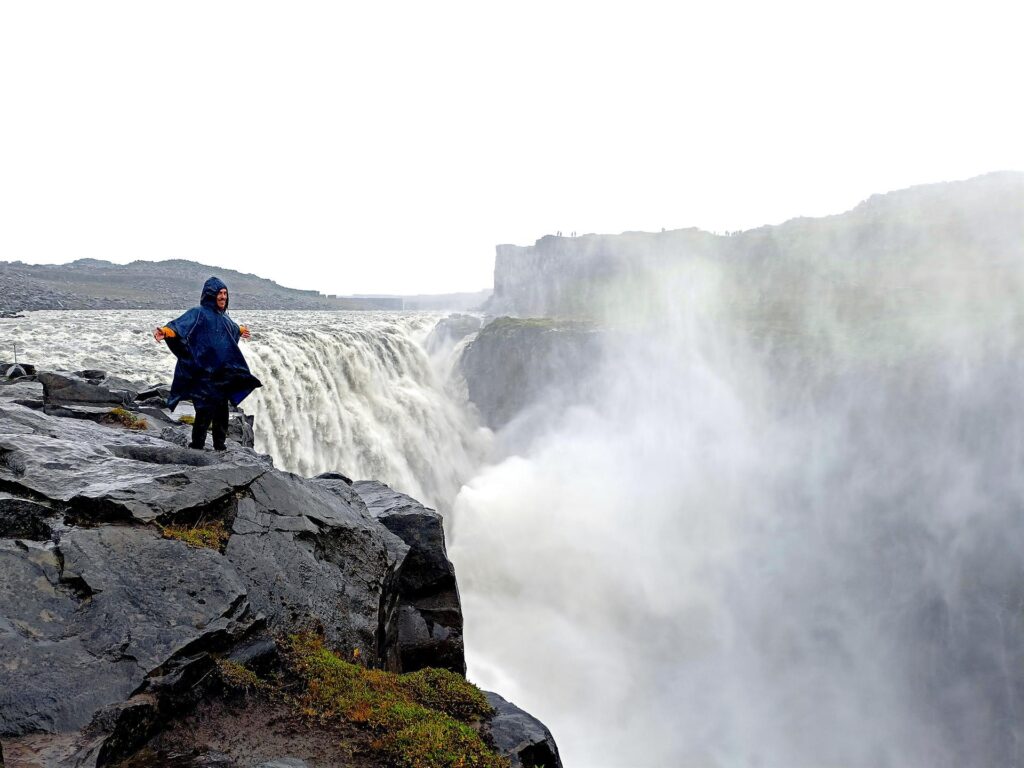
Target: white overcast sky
[{"x": 388, "y": 146}]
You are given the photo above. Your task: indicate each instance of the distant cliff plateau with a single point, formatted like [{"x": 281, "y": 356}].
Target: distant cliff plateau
[
  {"x": 891, "y": 249},
  {"x": 176, "y": 283}
]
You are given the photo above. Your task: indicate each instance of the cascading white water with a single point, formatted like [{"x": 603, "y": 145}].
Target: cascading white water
[
  {"x": 362, "y": 397},
  {"x": 353, "y": 392}
]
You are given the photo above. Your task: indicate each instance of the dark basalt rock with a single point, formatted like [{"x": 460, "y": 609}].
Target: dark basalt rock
[
  {"x": 308, "y": 557},
  {"x": 23, "y": 519},
  {"x": 341, "y": 486},
  {"x": 64, "y": 389},
  {"x": 24, "y": 392},
  {"x": 154, "y": 393},
  {"x": 429, "y": 610},
  {"x": 523, "y": 738},
  {"x": 86, "y": 623}
]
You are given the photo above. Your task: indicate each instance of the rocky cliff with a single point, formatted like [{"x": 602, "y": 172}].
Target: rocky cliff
[
  {"x": 514, "y": 363},
  {"x": 164, "y": 606},
  {"x": 887, "y": 248}
]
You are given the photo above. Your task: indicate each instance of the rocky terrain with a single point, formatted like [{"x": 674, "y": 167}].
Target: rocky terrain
[
  {"x": 175, "y": 284},
  {"x": 154, "y": 597}
]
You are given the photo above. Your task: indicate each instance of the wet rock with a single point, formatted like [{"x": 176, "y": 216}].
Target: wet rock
[
  {"x": 523, "y": 738},
  {"x": 341, "y": 486},
  {"x": 158, "y": 392},
  {"x": 97, "y": 413},
  {"x": 23, "y": 519},
  {"x": 240, "y": 429},
  {"x": 429, "y": 610},
  {"x": 101, "y": 474},
  {"x": 84, "y": 625},
  {"x": 63, "y": 389},
  {"x": 284, "y": 762},
  {"x": 307, "y": 557},
  {"x": 24, "y": 392}
]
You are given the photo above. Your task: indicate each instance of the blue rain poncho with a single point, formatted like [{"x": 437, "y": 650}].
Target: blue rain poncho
[{"x": 211, "y": 368}]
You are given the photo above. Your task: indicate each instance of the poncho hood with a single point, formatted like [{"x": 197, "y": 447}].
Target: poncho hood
[{"x": 210, "y": 290}]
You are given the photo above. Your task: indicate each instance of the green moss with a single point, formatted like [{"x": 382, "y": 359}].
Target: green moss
[
  {"x": 206, "y": 535},
  {"x": 126, "y": 418},
  {"x": 447, "y": 692},
  {"x": 419, "y": 720},
  {"x": 239, "y": 678},
  {"x": 187, "y": 419}
]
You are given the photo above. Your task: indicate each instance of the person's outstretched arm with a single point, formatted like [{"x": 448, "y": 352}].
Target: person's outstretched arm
[{"x": 164, "y": 332}]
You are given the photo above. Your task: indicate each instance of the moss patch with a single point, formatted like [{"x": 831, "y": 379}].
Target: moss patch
[
  {"x": 126, "y": 418},
  {"x": 187, "y": 419},
  {"x": 207, "y": 535},
  {"x": 237, "y": 677},
  {"x": 420, "y": 720}
]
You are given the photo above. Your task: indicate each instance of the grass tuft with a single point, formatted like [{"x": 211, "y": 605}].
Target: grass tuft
[
  {"x": 186, "y": 419},
  {"x": 420, "y": 720},
  {"x": 126, "y": 418},
  {"x": 205, "y": 535},
  {"x": 237, "y": 677}
]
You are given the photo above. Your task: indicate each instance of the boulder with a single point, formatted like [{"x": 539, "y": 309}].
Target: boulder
[
  {"x": 309, "y": 558},
  {"x": 24, "y": 392},
  {"x": 157, "y": 392},
  {"x": 429, "y": 608},
  {"x": 84, "y": 625},
  {"x": 65, "y": 388},
  {"x": 524, "y": 739}
]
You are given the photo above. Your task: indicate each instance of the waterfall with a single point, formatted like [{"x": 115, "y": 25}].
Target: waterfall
[
  {"x": 363, "y": 398},
  {"x": 352, "y": 392}
]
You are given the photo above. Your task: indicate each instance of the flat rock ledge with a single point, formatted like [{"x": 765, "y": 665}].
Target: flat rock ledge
[{"x": 109, "y": 628}]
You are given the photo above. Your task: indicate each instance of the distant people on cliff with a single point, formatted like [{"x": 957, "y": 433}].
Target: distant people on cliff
[{"x": 211, "y": 370}]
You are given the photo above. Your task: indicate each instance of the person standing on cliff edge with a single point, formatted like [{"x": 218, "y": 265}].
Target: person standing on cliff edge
[{"x": 211, "y": 371}]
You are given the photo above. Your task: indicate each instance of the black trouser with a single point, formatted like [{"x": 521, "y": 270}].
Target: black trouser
[{"x": 211, "y": 412}]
